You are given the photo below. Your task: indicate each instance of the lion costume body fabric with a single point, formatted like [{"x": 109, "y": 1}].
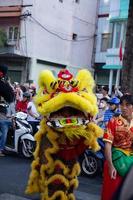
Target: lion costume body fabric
[{"x": 66, "y": 130}]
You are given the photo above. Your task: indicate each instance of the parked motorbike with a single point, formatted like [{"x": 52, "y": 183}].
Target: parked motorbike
[
  {"x": 92, "y": 162},
  {"x": 19, "y": 137}
]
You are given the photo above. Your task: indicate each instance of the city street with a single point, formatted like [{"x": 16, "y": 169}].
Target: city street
[
  {"x": 66, "y": 73},
  {"x": 14, "y": 174}
]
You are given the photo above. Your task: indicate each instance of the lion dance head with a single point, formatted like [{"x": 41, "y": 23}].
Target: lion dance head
[{"x": 68, "y": 106}]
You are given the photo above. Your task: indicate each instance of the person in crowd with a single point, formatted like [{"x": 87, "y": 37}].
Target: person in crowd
[
  {"x": 21, "y": 106},
  {"x": 98, "y": 89},
  {"x": 6, "y": 97},
  {"x": 11, "y": 106},
  {"x": 103, "y": 106},
  {"x": 18, "y": 92},
  {"x": 112, "y": 110},
  {"x": 23, "y": 88},
  {"x": 118, "y": 138},
  {"x": 104, "y": 92},
  {"x": 32, "y": 89},
  {"x": 116, "y": 92},
  {"x": 26, "y": 86},
  {"x": 33, "y": 116}
]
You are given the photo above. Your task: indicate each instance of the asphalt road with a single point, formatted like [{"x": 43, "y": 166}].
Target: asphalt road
[{"x": 14, "y": 172}]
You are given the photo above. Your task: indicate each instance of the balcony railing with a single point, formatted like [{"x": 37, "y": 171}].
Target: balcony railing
[
  {"x": 11, "y": 48},
  {"x": 112, "y": 56}
]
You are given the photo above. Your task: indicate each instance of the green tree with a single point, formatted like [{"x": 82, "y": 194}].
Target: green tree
[{"x": 3, "y": 38}]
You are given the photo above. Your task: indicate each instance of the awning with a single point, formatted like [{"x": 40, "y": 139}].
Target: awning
[
  {"x": 112, "y": 67},
  {"x": 117, "y": 19},
  {"x": 10, "y": 11}
]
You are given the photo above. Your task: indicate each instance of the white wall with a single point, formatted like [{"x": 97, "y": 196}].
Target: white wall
[
  {"x": 84, "y": 24},
  {"x": 57, "y": 18},
  {"x": 63, "y": 19},
  {"x": 37, "y": 68}
]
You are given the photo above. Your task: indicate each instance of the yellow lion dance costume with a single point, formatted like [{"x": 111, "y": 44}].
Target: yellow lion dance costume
[{"x": 66, "y": 130}]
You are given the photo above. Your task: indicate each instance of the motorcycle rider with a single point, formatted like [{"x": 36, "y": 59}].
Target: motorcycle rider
[
  {"x": 6, "y": 97},
  {"x": 21, "y": 106}
]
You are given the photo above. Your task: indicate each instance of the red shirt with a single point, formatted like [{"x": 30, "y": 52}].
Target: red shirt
[
  {"x": 119, "y": 132},
  {"x": 21, "y": 106}
]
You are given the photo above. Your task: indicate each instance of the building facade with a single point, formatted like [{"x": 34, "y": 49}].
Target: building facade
[
  {"x": 11, "y": 52},
  {"x": 47, "y": 34},
  {"x": 111, "y": 34}
]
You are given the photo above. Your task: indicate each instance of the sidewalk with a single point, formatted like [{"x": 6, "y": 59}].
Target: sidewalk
[{"x": 80, "y": 195}]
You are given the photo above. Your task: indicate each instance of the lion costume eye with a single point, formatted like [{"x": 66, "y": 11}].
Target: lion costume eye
[
  {"x": 53, "y": 85},
  {"x": 74, "y": 83}
]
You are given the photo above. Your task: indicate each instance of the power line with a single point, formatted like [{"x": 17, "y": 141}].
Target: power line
[
  {"x": 84, "y": 21},
  {"x": 26, "y": 14},
  {"x": 49, "y": 30},
  {"x": 55, "y": 34}
]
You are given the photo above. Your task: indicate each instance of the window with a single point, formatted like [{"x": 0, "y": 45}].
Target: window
[
  {"x": 118, "y": 33},
  {"x": 111, "y": 35},
  {"x": 15, "y": 76},
  {"x": 13, "y": 33},
  {"x": 105, "y": 41},
  {"x": 10, "y": 33},
  {"x": 74, "y": 36}
]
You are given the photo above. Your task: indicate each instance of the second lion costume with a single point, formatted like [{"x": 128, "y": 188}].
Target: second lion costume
[{"x": 67, "y": 105}]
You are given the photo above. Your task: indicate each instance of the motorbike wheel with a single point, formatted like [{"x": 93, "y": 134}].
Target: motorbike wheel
[
  {"x": 27, "y": 148},
  {"x": 91, "y": 166}
]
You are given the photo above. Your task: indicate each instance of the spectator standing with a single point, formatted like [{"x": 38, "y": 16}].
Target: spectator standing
[
  {"x": 18, "y": 92},
  {"x": 33, "y": 116},
  {"x": 103, "y": 106},
  {"x": 105, "y": 91},
  {"x": 118, "y": 92},
  {"x": 6, "y": 97},
  {"x": 11, "y": 106},
  {"x": 118, "y": 139}
]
